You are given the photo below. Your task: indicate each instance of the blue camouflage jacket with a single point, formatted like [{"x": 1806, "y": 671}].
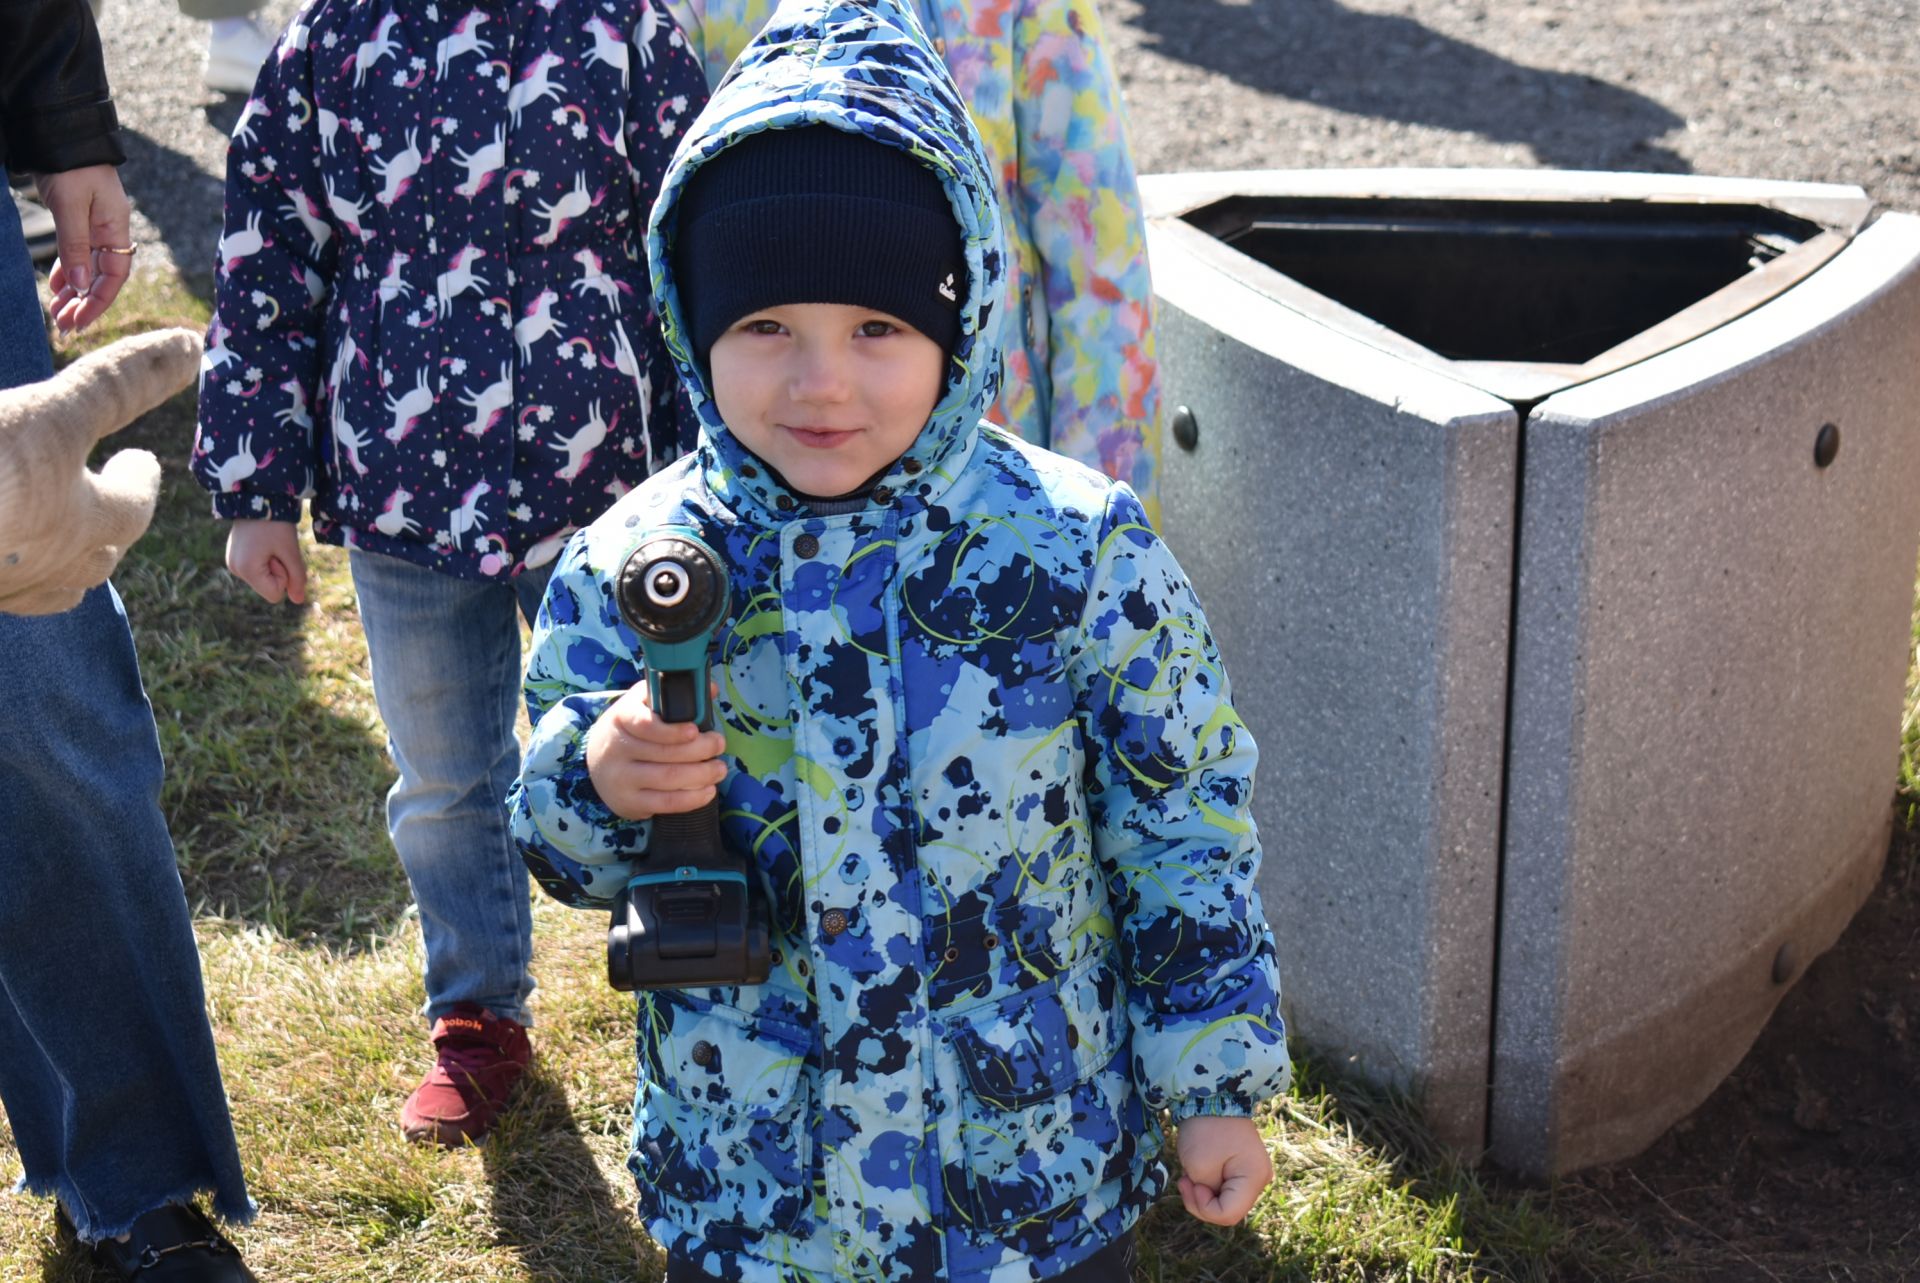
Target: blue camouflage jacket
[
  {"x": 431, "y": 313},
  {"x": 984, "y": 764}
]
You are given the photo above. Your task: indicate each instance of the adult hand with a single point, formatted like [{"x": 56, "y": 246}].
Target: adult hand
[
  {"x": 266, "y": 556},
  {"x": 63, "y": 528},
  {"x": 91, "y": 218},
  {"x": 643, "y": 766},
  {"x": 1224, "y": 1166}
]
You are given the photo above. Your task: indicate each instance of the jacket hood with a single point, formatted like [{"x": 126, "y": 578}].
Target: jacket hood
[{"x": 865, "y": 66}]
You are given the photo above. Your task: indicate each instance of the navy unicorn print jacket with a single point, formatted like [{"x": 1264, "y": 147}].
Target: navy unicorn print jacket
[
  {"x": 431, "y": 314},
  {"x": 984, "y": 764}
]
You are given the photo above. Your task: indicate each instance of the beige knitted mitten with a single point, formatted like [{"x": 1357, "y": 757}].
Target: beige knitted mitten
[{"x": 63, "y": 528}]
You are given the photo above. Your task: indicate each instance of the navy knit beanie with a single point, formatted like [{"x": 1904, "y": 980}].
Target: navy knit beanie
[{"x": 817, "y": 214}]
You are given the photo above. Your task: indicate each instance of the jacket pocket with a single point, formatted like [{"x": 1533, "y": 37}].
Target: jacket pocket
[
  {"x": 720, "y": 1127},
  {"x": 1048, "y": 1113}
]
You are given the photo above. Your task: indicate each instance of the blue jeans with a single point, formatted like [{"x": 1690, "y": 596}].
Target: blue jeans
[
  {"x": 445, "y": 654},
  {"x": 107, "y": 1067}
]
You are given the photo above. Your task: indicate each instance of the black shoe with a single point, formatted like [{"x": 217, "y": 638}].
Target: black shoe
[{"x": 172, "y": 1244}]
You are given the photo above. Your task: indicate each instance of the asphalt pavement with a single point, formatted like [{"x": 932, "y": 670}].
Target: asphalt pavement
[
  {"x": 1817, "y": 90},
  {"x": 1813, "y": 90}
]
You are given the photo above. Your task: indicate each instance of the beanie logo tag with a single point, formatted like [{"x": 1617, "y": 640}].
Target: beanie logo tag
[{"x": 946, "y": 289}]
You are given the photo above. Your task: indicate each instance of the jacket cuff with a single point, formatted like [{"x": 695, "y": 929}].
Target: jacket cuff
[
  {"x": 1224, "y": 1104},
  {"x": 563, "y": 810},
  {"x": 55, "y": 139},
  {"x": 246, "y": 505}
]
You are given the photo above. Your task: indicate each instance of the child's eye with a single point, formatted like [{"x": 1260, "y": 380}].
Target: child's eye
[
  {"x": 877, "y": 329},
  {"x": 761, "y": 326}
]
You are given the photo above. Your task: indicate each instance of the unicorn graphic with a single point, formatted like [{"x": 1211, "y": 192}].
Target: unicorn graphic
[
  {"x": 243, "y": 128},
  {"x": 460, "y": 276},
  {"x": 391, "y": 285},
  {"x": 406, "y": 410},
  {"x": 348, "y": 438},
  {"x": 329, "y": 128},
  {"x": 397, "y": 174},
  {"x": 464, "y": 40},
  {"x": 580, "y": 446},
  {"x": 240, "y": 465},
  {"x": 536, "y": 324},
  {"x": 569, "y": 207},
  {"x": 301, "y": 206},
  {"x": 347, "y": 213},
  {"x": 594, "y": 278},
  {"x": 490, "y": 402},
  {"x": 483, "y": 163},
  {"x": 295, "y": 414},
  {"x": 363, "y": 59},
  {"x": 535, "y": 85},
  {"x": 644, "y": 32},
  {"x": 608, "y": 47},
  {"x": 235, "y": 246},
  {"x": 393, "y": 520},
  {"x": 467, "y": 516}
]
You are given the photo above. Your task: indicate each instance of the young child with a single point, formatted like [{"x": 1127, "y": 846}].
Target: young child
[
  {"x": 975, "y": 743},
  {"x": 433, "y": 325},
  {"x": 1081, "y": 373}
]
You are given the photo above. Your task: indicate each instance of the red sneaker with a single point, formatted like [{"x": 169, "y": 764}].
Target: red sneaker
[{"x": 480, "y": 1056}]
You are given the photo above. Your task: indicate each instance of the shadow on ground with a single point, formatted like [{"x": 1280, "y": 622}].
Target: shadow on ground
[
  {"x": 63, "y": 1260},
  {"x": 1801, "y": 1165},
  {"x": 274, "y": 798},
  {"x": 550, "y": 1202},
  {"x": 188, "y": 214},
  {"x": 1394, "y": 68}
]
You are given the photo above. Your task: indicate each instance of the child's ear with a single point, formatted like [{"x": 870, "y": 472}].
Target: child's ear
[{"x": 62, "y": 528}]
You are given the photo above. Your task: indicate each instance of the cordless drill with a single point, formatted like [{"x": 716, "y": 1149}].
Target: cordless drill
[{"x": 689, "y": 917}]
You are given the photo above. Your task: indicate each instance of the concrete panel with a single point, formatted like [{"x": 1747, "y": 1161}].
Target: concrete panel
[
  {"x": 1347, "y": 520},
  {"x": 1711, "y": 638}
]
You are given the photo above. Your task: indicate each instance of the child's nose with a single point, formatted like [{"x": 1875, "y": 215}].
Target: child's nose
[{"x": 820, "y": 377}]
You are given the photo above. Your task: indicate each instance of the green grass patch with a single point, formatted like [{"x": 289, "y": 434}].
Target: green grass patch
[
  {"x": 276, "y": 768},
  {"x": 1361, "y": 1192}
]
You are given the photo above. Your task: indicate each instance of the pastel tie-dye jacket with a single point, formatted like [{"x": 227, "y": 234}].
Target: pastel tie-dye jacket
[
  {"x": 1081, "y": 373},
  {"x": 985, "y": 767},
  {"x": 431, "y": 316}
]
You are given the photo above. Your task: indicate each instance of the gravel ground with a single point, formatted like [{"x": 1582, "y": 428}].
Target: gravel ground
[
  {"x": 174, "y": 128},
  {"x": 1816, "y": 90},
  {"x": 1812, "y": 90}
]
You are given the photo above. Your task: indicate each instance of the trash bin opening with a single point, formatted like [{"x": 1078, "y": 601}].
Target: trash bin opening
[{"x": 1506, "y": 280}]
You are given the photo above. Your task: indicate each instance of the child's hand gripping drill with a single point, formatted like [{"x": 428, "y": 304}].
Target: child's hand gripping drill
[{"x": 689, "y": 916}]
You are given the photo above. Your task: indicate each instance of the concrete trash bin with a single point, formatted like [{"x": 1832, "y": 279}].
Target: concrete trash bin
[{"x": 1559, "y": 530}]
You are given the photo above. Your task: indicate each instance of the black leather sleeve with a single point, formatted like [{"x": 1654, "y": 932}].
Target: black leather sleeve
[{"x": 55, "y": 110}]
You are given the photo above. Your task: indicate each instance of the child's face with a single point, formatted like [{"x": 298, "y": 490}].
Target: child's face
[{"x": 826, "y": 393}]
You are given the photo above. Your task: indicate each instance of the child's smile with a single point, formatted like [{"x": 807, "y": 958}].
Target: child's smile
[{"x": 827, "y": 394}]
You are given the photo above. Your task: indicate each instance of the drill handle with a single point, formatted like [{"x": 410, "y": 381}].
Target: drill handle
[
  {"x": 680, "y": 695},
  {"x": 690, "y": 838}
]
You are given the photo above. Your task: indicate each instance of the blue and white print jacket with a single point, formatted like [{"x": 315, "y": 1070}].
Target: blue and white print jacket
[
  {"x": 431, "y": 315},
  {"x": 983, "y": 761}
]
